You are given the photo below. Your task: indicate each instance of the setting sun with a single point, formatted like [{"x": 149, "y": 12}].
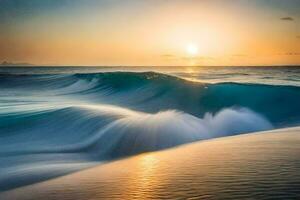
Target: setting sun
[{"x": 192, "y": 49}]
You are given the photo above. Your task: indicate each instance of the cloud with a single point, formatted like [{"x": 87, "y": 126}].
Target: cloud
[
  {"x": 167, "y": 56},
  {"x": 239, "y": 55},
  {"x": 287, "y": 19},
  {"x": 197, "y": 58},
  {"x": 298, "y": 36},
  {"x": 291, "y": 54}
]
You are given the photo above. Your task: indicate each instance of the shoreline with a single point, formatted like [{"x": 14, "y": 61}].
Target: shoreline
[{"x": 245, "y": 163}]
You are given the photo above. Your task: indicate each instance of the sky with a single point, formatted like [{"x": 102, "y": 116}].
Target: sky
[{"x": 150, "y": 32}]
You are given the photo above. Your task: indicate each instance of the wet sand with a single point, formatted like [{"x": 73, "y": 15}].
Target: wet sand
[{"x": 263, "y": 165}]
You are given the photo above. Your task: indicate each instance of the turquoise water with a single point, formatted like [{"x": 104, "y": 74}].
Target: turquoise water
[
  {"x": 277, "y": 75},
  {"x": 55, "y": 121}
]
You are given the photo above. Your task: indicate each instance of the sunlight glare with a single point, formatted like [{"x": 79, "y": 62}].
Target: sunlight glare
[{"x": 192, "y": 49}]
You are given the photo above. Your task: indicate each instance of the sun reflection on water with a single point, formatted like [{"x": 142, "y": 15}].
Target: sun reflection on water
[
  {"x": 147, "y": 166},
  {"x": 148, "y": 162},
  {"x": 145, "y": 178}
]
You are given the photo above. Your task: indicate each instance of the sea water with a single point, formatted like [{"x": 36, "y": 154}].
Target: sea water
[{"x": 56, "y": 120}]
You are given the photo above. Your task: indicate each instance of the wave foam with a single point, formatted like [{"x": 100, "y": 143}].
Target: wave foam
[{"x": 150, "y": 132}]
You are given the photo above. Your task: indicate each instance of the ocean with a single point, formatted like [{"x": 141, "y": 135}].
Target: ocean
[{"x": 57, "y": 120}]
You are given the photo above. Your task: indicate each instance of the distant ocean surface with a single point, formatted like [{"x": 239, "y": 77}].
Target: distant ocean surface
[
  {"x": 57, "y": 120},
  {"x": 277, "y": 75}
]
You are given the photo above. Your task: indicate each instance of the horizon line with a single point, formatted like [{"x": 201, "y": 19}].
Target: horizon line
[{"x": 108, "y": 66}]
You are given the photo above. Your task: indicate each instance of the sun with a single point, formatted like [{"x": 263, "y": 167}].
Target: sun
[{"x": 192, "y": 49}]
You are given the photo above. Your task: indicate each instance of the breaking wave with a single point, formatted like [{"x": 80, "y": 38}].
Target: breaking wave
[{"x": 74, "y": 121}]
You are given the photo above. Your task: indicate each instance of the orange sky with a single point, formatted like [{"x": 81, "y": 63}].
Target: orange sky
[{"x": 150, "y": 32}]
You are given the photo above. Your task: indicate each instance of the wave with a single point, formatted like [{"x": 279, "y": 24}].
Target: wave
[
  {"x": 76, "y": 137},
  {"x": 76, "y": 128},
  {"x": 74, "y": 121},
  {"x": 151, "y": 92},
  {"x": 151, "y": 132}
]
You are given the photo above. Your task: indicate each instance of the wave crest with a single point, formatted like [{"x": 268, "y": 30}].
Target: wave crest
[
  {"x": 150, "y": 132},
  {"x": 152, "y": 92}
]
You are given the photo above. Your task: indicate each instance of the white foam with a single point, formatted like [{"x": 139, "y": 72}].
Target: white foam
[{"x": 149, "y": 132}]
